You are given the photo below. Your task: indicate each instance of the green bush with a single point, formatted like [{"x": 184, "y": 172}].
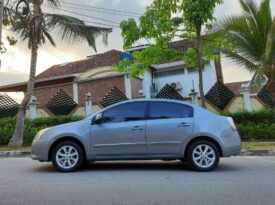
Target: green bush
[
  {"x": 262, "y": 116},
  {"x": 254, "y": 126},
  {"x": 31, "y": 127},
  {"x": 257, "y": 132}
]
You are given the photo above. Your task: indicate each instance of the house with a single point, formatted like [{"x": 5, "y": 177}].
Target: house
[
  {"x": 71, "y": 83},
  {"x": 70, "y": 88},
  {"x": 178, "y": 75}
]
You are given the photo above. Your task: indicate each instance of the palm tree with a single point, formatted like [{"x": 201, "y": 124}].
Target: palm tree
[
  {"x": 252, "y": 37},
  {"x": 36, "y": 29}
]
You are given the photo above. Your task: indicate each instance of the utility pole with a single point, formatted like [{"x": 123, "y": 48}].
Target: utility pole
[
  {"x": 1, "y": 23},
  {"x": 1, "y": 18}
]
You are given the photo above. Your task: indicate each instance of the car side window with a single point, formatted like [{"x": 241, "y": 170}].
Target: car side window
[
  {"x": 124, "y": 113},
  {"x": 164, "y": 110}
]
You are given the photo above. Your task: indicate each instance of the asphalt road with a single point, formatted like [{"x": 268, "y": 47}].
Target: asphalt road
[{"x": 238, "y": 180}]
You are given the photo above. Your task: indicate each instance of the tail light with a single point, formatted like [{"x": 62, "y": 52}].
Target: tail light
[{"x": 231, "y": 123}]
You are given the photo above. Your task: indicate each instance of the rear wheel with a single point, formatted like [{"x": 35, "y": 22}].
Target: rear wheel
[
  {"x": 67, "y": 156},
  {"x": 203, "y": 156}
]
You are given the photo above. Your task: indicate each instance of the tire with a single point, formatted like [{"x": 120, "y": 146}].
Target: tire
[
  {"x": 203, "y": 156},
  {"x": 67, "y": 156}
]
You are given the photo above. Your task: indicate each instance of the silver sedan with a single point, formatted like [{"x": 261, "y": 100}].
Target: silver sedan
[{"x": 141, "y": 129}]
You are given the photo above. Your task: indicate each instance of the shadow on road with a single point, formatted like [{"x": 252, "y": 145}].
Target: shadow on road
[{"x": 138, "y": 166}]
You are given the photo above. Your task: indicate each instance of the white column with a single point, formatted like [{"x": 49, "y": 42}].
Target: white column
[
  {"x": 128, "y": 87},
  {"x": 147, "y": 84},
  {"x": 88, "y": 104},
  {"x": 33, "y": 107},
  {"x": 246, "y": 95},
  {"x": 75, "y": 91}
]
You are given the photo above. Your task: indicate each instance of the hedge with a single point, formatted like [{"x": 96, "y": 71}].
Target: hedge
[
  {"x": 31, "y": 127},
  {"x": 262, "y": 116},
  {"x": 254, "y": 126}
]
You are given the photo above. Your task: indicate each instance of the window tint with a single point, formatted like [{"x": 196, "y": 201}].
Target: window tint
[
  {"x": 125, "y": 113},
  {"x": 163, "y": 110}
]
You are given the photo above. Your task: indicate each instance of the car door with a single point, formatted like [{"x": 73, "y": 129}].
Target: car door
[
  {"x": 121, "y": 133},
  {"x": 168, "y": 125}
]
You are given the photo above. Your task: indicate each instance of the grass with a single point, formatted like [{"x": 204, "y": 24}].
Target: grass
[
  {"x": 258, "y": 145},
  {"x": 21, "y": 149}
]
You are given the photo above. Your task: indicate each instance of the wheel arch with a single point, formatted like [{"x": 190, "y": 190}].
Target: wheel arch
[
  {"x": 206, "y": 138},
  {"x": 66, "y": 138}
]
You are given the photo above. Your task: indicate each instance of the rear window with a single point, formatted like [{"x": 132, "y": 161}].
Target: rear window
[{"x": 164, "y": 110}]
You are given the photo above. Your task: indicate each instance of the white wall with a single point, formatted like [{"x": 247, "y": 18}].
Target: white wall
[
  {"x": 185, "y": 79},
  {"x": 147, "y": 83}
]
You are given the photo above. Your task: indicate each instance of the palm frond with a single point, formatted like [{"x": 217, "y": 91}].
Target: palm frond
[
  {"x": 54, "y": 3},
  {"x": 240, "y": 60},
  {"x": 72, "y": 29},
  {"x": 49, "y": 37}
]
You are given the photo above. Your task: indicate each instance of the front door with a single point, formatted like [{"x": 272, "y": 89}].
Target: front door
[
  {"x": 169, "y": 124},
  {"x": 121, "y": 133}
]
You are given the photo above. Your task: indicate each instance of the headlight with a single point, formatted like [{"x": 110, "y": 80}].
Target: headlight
[{"x": 40, "y": 135}]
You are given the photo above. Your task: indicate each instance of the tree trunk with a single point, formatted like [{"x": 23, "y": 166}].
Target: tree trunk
[
  {"x": 200, "y": 66},
  {"x": 17, "y": 137}
]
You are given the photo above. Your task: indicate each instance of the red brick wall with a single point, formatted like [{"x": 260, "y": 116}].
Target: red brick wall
[
  {"x": 44, "y": 94},
  {"x": 99, "y": 88}
]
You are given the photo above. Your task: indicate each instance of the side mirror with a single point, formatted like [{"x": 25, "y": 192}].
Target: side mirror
[{"x": 98, "y": 118}]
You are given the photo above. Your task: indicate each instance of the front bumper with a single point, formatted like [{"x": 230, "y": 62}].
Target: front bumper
[{"x": 40, "y": 150}]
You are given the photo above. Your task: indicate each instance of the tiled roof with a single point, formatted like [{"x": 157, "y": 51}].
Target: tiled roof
[
  {"x": 236, "y": 86},
  {"x": 108, "y": 58},
  {"x": 181, "y": 45}
]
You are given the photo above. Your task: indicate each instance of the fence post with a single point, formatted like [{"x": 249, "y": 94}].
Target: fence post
[
  {"x": 246, "y": 95},
  {"x": 194, "y": 96},
  {"x": 33, "y": 107},
  {"x": 88, "y": 104}
]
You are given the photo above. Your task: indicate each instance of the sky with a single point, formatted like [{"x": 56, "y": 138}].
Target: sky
[{"x": 15, "y": 62}]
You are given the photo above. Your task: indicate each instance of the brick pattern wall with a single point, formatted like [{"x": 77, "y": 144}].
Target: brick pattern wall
[
  {"x": 99, "y": 88},
  {"x": 44, "y": 94}
]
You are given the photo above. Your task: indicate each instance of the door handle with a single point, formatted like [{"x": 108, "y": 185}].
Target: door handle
[
  {"x": 137, "y": 128},
  {"x": 184, "y": 124}
]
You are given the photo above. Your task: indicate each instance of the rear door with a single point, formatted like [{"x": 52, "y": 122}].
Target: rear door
[{"x": 168, "y": 125}]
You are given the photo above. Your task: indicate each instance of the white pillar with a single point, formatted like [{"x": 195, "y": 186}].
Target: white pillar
[
  {"x": 246, "y": 95},
  {"x": 88, "y": 104},
  {"x": 33, "y": 107},
  {"x": 75, "y": 92},
  {"x": 128, "y": 87}
]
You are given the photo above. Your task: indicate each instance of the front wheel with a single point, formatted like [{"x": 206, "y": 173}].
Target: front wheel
[
  {"x": 203, "y": 156},
  {"x": 67, "y": 156}
]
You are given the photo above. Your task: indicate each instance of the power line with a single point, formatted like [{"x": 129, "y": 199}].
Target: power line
[
  {"x": 92, "y": 22},
  {"x": 80, "y": 14},
  {"x": 105, "y": 12},
  {"x": 106, "y": 9}
]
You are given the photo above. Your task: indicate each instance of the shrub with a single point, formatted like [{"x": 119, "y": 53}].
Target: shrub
[
  {"x": 31, "y": 127},
  {"x": 262, "y": 116}
]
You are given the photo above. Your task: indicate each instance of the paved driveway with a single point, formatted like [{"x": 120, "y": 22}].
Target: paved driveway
[{"x": 238, "y": 180}]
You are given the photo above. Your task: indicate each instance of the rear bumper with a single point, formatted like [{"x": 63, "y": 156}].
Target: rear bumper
[{"x": 232, "y": 144}]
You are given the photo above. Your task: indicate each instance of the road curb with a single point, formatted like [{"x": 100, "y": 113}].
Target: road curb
[
  {"x": 15, "y": 154},
  {"x": 258, "y": 153},
  {"x": 20, "y": 154}
]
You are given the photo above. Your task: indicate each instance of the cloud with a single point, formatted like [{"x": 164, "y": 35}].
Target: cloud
[{"x": 17, "y": 58}]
